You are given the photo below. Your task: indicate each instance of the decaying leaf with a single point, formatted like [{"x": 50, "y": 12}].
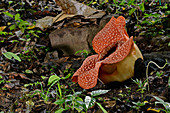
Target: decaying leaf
[
  {"x": 75, "y": 8},
  {"x": 44, "y": 22},
  {"x": 70, "y": 8}
]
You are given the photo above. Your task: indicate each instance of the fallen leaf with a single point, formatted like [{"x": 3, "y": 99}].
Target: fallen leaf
[
  {"x": 109, "y": 104},
  {"x": 72, "y": 7},
  {"x": 45, "y": 22},
  {"x": 2, "y": 28},
  {"x": 153, "y": 109}
]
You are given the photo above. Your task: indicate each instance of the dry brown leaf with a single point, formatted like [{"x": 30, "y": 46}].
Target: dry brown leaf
[
  {"x": 62, "y": 17},
  {"x": 45, "y": 22},
  {"x": 72, "y": 7}
]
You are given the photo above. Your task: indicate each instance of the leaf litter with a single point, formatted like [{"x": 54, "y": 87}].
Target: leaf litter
[{"x": 122, "y": 97}]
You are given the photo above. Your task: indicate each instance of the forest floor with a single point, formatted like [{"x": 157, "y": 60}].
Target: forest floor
[{"x": 33, "y": 79}]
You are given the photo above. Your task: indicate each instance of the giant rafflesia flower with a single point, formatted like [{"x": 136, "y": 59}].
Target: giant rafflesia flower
[{"x": 115, "y": 58}]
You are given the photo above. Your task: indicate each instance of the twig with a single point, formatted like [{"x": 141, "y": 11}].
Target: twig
[
  {"x": 155, "y": 65},
  {"x": 100, "y": 81}
]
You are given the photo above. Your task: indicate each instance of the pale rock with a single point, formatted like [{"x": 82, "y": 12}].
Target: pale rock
[{"x": 72, "y": 39}]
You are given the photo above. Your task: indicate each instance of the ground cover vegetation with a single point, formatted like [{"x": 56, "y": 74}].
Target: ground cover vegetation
[{"x": 31, "y": 80}]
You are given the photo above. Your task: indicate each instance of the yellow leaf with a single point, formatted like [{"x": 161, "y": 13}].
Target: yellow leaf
[
  {"x": 9, "y": 23},
  {"x": 123, "y": 8},
  {"x": 102, "y": 1},
  {"x": 106, "y": 1},
  {"x": 152, "y": 109},
  {"x": 31, "y": 27},
  {"x": 146, "y": 102},
  {"x": 2, "y": 28},
  {"x": 94, "y": 3}
]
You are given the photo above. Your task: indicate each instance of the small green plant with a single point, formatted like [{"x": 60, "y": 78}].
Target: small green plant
[
  {"x": 2, "y": 81},
  {"x": 138, "y": 105},
  {"x": 73, "y": 101},
  {"x": 90, "y": 100},
  {"x": 128, "y": 90},
  {"x": 32, "y": 84},
  {"x": 122, "y": 95},
  {"x": 158, "y": 74},
  {"x": 21, "y": 24},
  {"x": 165, "y": 104},
  {"x": 141, "y": 85},
  {"x": 28, "y": 54},
  {"x": 132, "y": 4},
  {"x": 84, "y": 53}
]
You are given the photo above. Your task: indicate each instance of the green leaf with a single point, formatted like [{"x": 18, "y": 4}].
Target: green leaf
[
  {"x": 12, "y": 27},
  {"x": 2, "y": 81},
  {"x": 60, "y": 110},
  {"x": 53, "y": 78},
  {"x": 43, "y": 77},
  {"x": 142, "y": 7},
  {"x": 86, "y": 52},
  {"x": 101, "y": 107},
  {"x": 159, "y": 99},
  {"x": 30, "y": 84},
  {"x": 9, "y": 55},
  {"x": 38, "y": 31},
  {"x": 35, "y": 35},
  {"x": 10, "y": 2},
  {"x": 17, "y": 17},
  {"x": 115, "y": 1},
  {"x": 99, "y": 92},
  {"x": 79, "y": 104},
  {"x": 123, "y": 2},
  {"x": 169, "y": 44},
  {"x": 89, "y": 102},
  {"x": 60, "y": 101},
  {"x": 8, "y": 14},
  {"x": 16, "y": 57},
  {"x": 77, "y": 93},
  {"x": 79, "y": 51},
  {"x": 131, "y": 2},
  {"x": 132, "y": 11},
  {"x": 28, "y": 71},
  {"x": 68, "y": 75},
  {"x": 22, "y": 29},
  {"x": 23, "y": 23}
]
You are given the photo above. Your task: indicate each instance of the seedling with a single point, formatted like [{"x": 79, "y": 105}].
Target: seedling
[
  {"x": 138, "y": 104},
  {"x": 128, "y": 89},
  {"x": 90, "y": 100},
  {"x": 84, "y": 53},
  {"x": 141, "y": 85},
  {"x": 159, "y": 74}
]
